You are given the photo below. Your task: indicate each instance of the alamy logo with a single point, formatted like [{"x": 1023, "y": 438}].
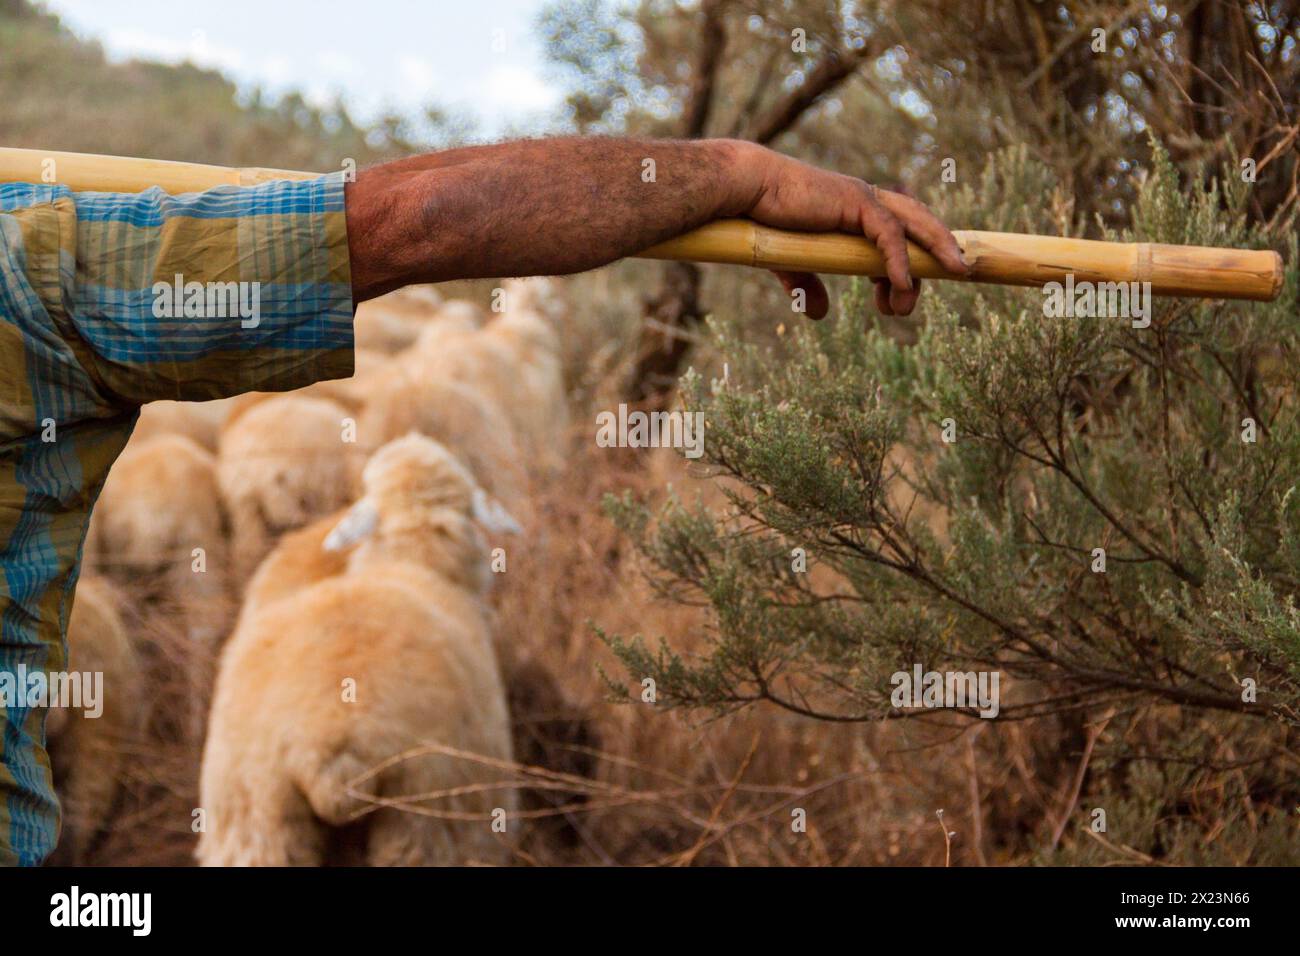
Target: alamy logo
[
  {"x": 209, "y": 300},
  {"x": 75, "y": 908},
  {"x": 37, "y": 688},
  {"x": 920, "y": 688},
  {"x": 1098, "y": 300},
  {"x": 639, "y": 429}
]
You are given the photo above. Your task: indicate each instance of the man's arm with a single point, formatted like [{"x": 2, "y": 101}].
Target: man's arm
[{"x": 558, "y": 206}]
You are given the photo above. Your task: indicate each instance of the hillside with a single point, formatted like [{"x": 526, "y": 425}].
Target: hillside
[{"x": 61, "y": 92}]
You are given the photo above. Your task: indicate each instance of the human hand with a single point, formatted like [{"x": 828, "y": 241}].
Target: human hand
[{"x": 790, "y": 194}]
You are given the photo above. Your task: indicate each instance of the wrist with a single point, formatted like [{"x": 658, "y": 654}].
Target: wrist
[{"x": 742, "y": 167}]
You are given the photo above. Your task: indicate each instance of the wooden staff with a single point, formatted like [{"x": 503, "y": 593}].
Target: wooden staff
[{"x": 997, "y": 257}]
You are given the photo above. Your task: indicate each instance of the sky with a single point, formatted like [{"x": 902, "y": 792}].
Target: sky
[{"x": 480, "y": 57}]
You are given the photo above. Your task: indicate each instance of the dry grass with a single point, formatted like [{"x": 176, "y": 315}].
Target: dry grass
[{"x": 160, "y": 792}]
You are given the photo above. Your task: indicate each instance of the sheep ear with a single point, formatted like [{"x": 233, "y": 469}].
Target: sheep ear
[
  {"x": 361, "y": 521},
  {"x": 492, "y": 515}
]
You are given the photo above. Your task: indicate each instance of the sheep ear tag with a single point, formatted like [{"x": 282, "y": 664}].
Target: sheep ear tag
[
  {"x": 492, "y": 515},
  {"x": 360, "y": 521}
]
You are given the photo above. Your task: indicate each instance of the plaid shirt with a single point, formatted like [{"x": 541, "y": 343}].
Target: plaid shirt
[{"x": 82, "y": 346}]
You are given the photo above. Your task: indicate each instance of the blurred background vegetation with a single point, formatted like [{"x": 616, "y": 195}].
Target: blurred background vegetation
[{"x": 1005, "y": 114}]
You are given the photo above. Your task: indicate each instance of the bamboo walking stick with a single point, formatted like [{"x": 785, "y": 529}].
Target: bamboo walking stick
[{"x": 996, "y": 257}]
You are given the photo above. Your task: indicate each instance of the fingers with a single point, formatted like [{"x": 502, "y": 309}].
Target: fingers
[
  {"x": 889, "y": 219},
  {"x": 926, "y": 229},
  {"x": 884, "y": 297},
  {"x": 884, "y": 229},
  {"x": 909, "y": 298},
  {"x": 813, "y": 298}
]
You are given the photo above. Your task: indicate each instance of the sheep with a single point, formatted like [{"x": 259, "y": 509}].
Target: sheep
[
  {"x": 281, "y": 463},
  {"x": 86, "y": 752},
  {"x": 535, "y": 348},
  {"x": 525, "y": 331},
  {"x": 468, "y": 425},
  {"x": 472, "y": 426},
  {"x": 383, "y": 329},
  {"x": 322, "y": 695},
  {"x": 461, "y": 313},
  {"x": 417, "y": 301},
  {"x": 452, "y": 352},
  {"x": 422, "y": 296},
  {"x": 371, "y": 368},
  {"x": 533, "y": 310},
  {"x": 298, "y": 560},
  {"x": 512, "y": 361},
  {"x": 200, "y": 421},
  {"x": 393, "y": 322},
  {"x": 158, "y": 530},
  {"x": 538, "y": 294}
]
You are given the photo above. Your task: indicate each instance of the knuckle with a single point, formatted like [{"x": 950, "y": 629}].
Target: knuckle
[
  {"x": 918, "y": 207},
  {"x": 870, "y": 197}
]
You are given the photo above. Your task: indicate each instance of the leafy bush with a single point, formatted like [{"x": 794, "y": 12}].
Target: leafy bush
[{"x": 980, "y": 553}]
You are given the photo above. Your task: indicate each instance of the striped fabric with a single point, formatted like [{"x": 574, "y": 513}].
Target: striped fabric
[{"x": 82, "y": 346}]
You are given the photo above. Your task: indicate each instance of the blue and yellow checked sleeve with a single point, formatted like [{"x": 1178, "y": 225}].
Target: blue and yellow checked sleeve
[{"x": 91, "y": 327}]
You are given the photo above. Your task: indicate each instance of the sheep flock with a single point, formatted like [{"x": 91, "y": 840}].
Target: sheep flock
[{"x": 322, "y": 565}]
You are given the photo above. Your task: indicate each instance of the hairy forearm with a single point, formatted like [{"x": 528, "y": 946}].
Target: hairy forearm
[{"x": 537, "y": 207}]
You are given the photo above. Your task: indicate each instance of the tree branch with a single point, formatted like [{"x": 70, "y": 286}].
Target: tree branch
[{"x": 837, "y": 67}]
